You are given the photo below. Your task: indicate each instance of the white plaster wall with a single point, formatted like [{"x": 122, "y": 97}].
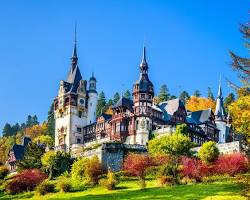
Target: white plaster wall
[
  {"x": 222, "y": 135},
  {"x": 142, "y": 133},
  {"x": 92, "y": 103}
]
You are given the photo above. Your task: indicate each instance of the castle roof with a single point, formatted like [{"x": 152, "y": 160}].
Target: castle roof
[
  {"x": 200, "y": 116},
  {"x": 124, "y": 102},
  {"x": 220, "y": 113}
]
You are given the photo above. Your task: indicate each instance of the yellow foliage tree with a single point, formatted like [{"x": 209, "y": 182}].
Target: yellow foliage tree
[
  {"x": 199, "y": 103},
  {"x": 240, "y": 112},
  {"x": 36, "y": 130}
]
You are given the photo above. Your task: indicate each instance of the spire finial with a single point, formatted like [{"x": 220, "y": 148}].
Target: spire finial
[
  {"x": 219, "y": 91},
  {"x": 74, "y": 50},
  {"x": 144, "y": 60}
]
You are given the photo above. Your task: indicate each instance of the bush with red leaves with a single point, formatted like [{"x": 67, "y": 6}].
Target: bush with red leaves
[
  {"x": 194, "y": 168},
  {"x": 231, "y": 164},
  {"x": 137, "y": 164},
  {"x": 25, "y": 181}
]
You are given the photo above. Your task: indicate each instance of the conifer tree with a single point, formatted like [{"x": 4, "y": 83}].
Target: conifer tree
[
  {"x": 197, "y": 93},
  {"x": 240, "y": 64},
  {"x": 210, "y": 94},
  {"x": 184, "y": 96},
  {"x": 101, "y": 104},
  {"x": 164, "y": 94},
  {"x": 51, "y": 121},
  {"x": 229, "y": 99},
  {"x": 127, "y": 94},
  {"x": 116, "y": 97}
]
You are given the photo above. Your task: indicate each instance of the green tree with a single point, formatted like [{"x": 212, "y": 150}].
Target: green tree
[
  {"x": 197, "y": 93},
  {"x": 240, "y": 64},
  {"x": 229, "y": 99},
  {"x": 210, "y": 94},
  {"x": 101, "y": 104},
  {"x": 51, "y": 121},
  {"x": 127, "y": 94},
  {"x": 182, "y": 129},
  {"x": 184, "y": 96},
  {"x": 110, "y": 103},
  {"x": 44, "y": 140},
  {"x": 163, "y": 94},
  {"x": 31, "y": 121},
  {"x": 32, "y": 157},
  {"x": 55, "y": 163},
  {"x": 7, "y": 130},
  {"x": 209, "y": 152},
  {"x": 174, "y": 144},
  {"x": 116, "y": 97}
]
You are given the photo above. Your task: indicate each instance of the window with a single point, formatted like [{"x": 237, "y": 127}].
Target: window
[
  {"x": 79, "y": 129},
  {"x": 79, "y": 114},
  {"x": 117, "y": 127},
  {"x": 143, "y": 96},
  {"x": 137, "y": 125},
  {"x": 78, "y": 141},
  {"x": 147, "y": 125}
]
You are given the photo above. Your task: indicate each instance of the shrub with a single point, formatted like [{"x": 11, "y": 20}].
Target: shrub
[
  {"x": 25, "y": 181},
  {"x": 137, "y": 164},
  {"x": 64, "y": 185},
  {"x": 165, "y": 180},
  {"x": 194, "y": 169},
  {"x": 111, "y": 181},
  {"x": 45, "y": 187},
  {"x": 231, "y": 164},
  {"x": 188, "y": 181},
  {"x": 86, "y": 169},
  {"x": 209, "y": 152},
  {"x": 3, "y": 172}
]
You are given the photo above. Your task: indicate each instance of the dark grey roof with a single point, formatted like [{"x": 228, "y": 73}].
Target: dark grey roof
[
  {"x": 124, "y": 102},
  {"x": 74, "y": 77},
  {"x": 19, "y": 149},
  {"x": 200, "y": 116},
  {"x": 106, "y": 116}
]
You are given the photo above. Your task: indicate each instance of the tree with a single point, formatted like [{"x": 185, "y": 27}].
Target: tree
[
  {"x": 209, "y": 152},
  {"x": 32, "y": 157},
  {"x": 116, "y": 97},
  {"x": 182, "y": 129},
  {"x": 44, "y": 140},
  {"x": 127, "y": 94},
  {"x": 184, "y": 96},
  {"x": 240, "y": 64},
  {"x": 210, "y": 94},
  {"x": 5, "y": 145},
  {"x": 86, "y": 169},
  {"x": 229, "y": 99},
  {"x": 55, "y": 163},
  {"x": 7, "y": 130},
  {"x": 164, "y": 94},
  {"x": 51, "y": 121},
  {"x": 175, "y": 144},
  {"x": 101, "y": 104},
  {"x": 199, "y": 103},
  {"x": 31, "y": 121},
  {"x": 197, "y": 93},
  {"x": 240, "y": 112},
  {"x": 136, "y": 165},
  {"x": 36, "y": 130}
]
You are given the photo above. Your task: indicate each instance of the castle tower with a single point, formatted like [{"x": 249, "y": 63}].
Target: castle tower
[
  {"x": 70, "y": 107},
  {"x": 143, "y": 93},
  {"x": 92, "y": 100},
  {"x": 221, "y": 117}
]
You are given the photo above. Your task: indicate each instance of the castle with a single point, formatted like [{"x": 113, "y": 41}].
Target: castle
[{"x": 133, "y": 121}]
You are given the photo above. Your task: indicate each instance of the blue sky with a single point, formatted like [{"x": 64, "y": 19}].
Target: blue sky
[{"x": 187, "y": 47}]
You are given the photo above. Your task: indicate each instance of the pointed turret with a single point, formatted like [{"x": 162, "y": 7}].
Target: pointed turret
[
  {"x": 144, "y": 60},
  {"x": 220, "y": 114}
]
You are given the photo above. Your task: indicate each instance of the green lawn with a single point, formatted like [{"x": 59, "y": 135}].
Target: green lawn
[{"x": 130, "y": 190}]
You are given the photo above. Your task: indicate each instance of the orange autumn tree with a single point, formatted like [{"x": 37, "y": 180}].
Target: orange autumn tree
[
  {"x": 199, "y": 103},
  {"x": 36, "y": 130}
]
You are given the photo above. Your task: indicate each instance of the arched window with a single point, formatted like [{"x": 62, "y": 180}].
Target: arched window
[{"x": 78, "y": 140}]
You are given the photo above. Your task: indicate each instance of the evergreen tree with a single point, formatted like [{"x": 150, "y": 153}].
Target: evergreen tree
[
  {"x": 127, "y": 94},
  {"x": 7, "y": 130},
  {"x": 51, "y": 121},
  {"x": 210, "y": 94},
  {"x": 32, "y": 157},
  {"x": 31, "y": 121},
  {"x": 184, "y": 96},
  {"x": 229, "y": 99},
  {"x": 164, "y": 94},
  {"x": 242, "y": 65},
  {"x": 101, "y": 104},
  {"x": 197, "y": 93},
  {"x": 109, "y": 103},
  {"x": 116, "y": 97}
]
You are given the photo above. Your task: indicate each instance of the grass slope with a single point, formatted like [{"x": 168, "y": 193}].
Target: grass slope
[{"x": 130, "y": 190}]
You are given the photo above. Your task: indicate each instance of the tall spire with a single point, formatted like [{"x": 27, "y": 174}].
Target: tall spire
[
  {"x": 144, "y": 61},
  {"x": 220, "y": 113},
  {"x": 74, "y": 58}
]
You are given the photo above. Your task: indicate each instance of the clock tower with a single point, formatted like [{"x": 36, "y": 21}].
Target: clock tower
[{"x": 143, "y": 93}]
